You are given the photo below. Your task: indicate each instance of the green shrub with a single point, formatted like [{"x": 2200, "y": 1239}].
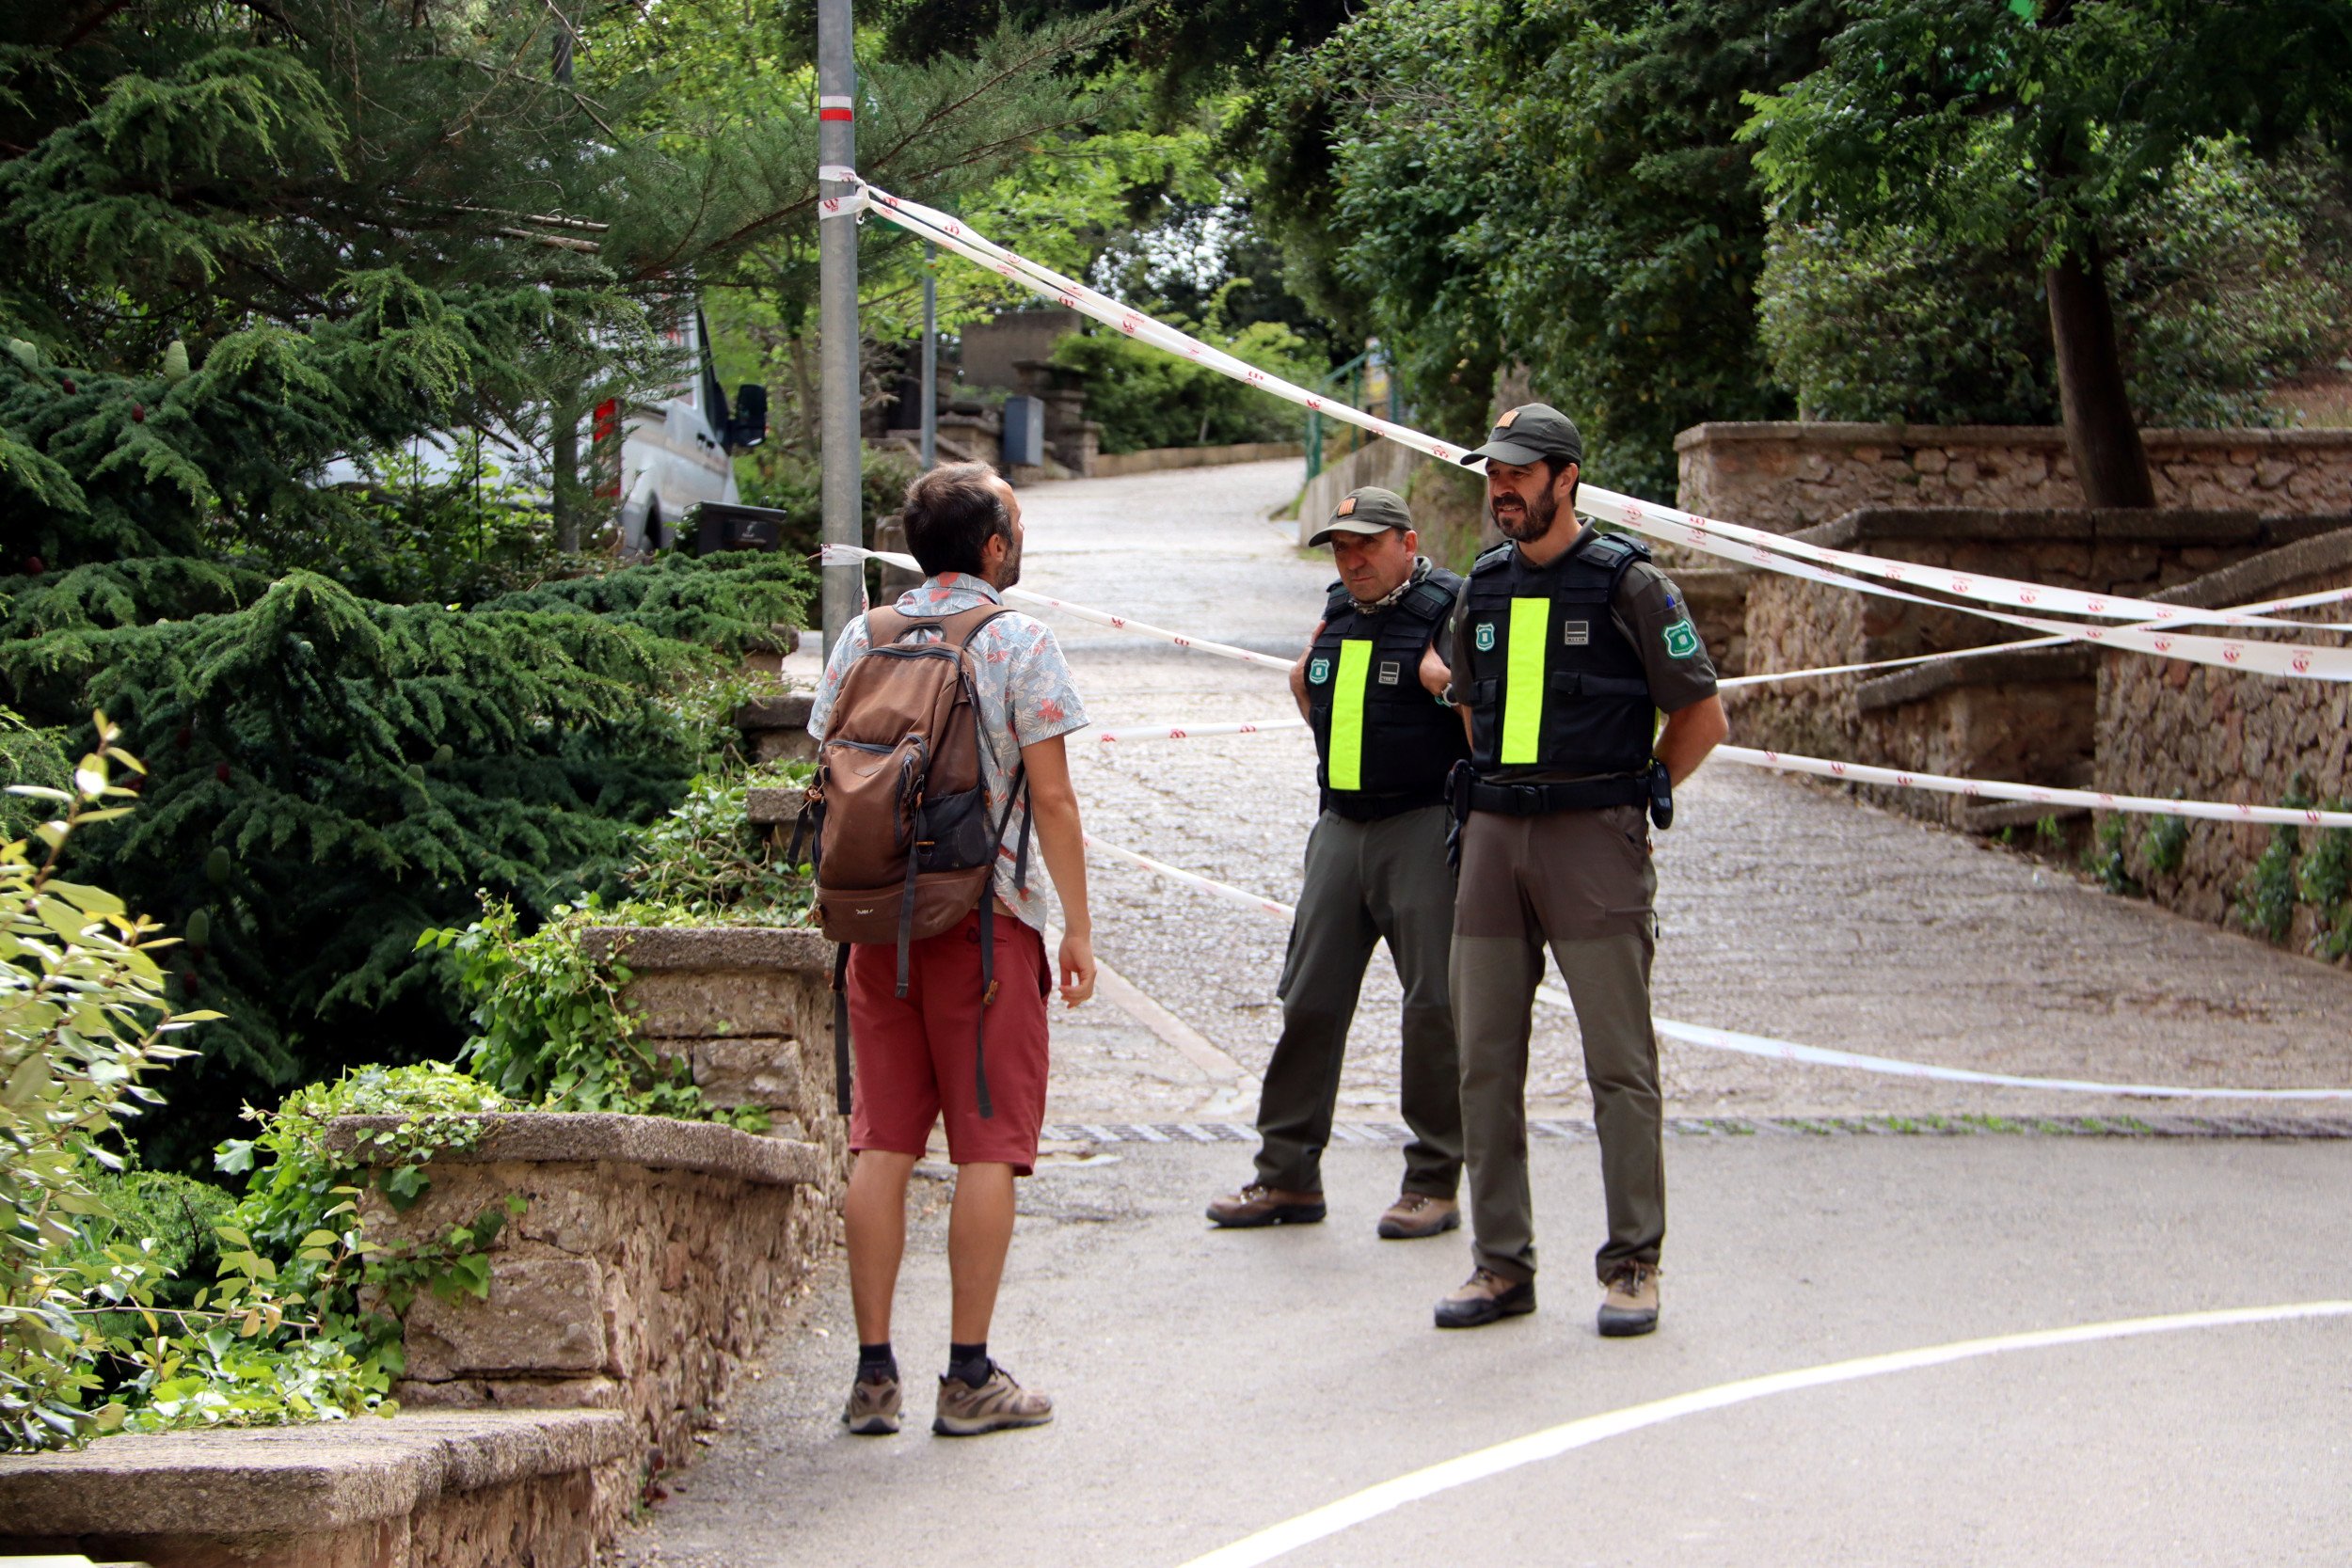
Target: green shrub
[
  {"x": 83, "y": 1021},
  {"x": 552, "y": 1031},
  {"x": 2164, "y": 844},
  {"x": 707, "y": 863},
  {"x": 2105, "y": 859},
  {"x": 333, "y": 775}
]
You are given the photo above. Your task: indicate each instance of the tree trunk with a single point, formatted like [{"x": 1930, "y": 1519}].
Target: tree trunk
[
  {"x": 2110, "y": 461},
  {"x": 564, "y": 458}
]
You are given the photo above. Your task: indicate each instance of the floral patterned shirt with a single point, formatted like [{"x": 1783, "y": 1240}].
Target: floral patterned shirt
[{"x": 1026, "y": 695}]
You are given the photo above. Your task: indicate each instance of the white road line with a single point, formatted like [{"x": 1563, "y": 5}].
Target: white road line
[{"x": 1330, "y": 1519}]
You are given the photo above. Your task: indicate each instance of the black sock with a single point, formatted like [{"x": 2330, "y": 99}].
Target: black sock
[
  {"x": 970, "y": 1362},
  {"x": 875, "y": 1363}
]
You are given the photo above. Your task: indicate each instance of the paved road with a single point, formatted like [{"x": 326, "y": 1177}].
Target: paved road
[
  {"x": 1787, "y": 910},
  {"x": 1216, "y": 1384}
]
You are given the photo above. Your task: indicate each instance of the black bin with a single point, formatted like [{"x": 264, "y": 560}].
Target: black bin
[{"x": 720, "y": 526}]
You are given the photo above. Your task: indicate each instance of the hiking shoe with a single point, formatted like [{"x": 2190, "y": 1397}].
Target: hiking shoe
[
  {"x": 1414, "y": 1215},
  {"x": 1000, "y": 1402},
  {"x": 873, "y": 1408},
  {"x": 1630, "y": 1305},
  {"x": 1259, "y": 1204},
  {"x": 1483, "y": 1297}
]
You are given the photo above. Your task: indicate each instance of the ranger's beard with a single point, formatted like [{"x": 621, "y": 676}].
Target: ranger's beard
[{"x": 1515, "y": 520}]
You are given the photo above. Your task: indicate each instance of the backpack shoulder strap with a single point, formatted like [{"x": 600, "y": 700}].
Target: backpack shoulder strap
[{"x": 958, "y": 630}]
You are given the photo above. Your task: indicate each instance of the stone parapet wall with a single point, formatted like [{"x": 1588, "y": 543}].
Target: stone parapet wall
[
  {"x": 440, "y": 1489},
  {"x": 1787, "y": 476},
  {"x": 2192, "y": 732},
  {"x": 650, "y": 1260},
  {"x": 1111, "y": 465}
]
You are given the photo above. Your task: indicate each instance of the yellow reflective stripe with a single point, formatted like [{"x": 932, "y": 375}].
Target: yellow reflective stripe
[
  {"x": 1348, "y": 715},
  {"x": 1523, "y": 679}
]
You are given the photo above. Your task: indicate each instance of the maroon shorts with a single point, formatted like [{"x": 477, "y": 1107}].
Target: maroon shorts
[{"x": 914, "y": 1053}]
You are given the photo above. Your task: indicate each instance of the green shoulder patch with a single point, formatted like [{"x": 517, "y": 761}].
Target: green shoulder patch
[{"x": 1682, "y": 638}]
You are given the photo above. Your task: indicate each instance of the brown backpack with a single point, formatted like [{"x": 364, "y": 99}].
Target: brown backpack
[{"x": 900, "y": 841}]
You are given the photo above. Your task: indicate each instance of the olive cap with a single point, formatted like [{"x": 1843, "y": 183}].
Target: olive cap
[
  {"x": 1367, "y": 509},
  {"x": 1529, "y": 433}
]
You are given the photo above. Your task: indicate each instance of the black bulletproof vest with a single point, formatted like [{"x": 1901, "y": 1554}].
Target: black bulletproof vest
[
  {"x": 1383, "y": 743},
  {"x": 1553, "y": 683}
]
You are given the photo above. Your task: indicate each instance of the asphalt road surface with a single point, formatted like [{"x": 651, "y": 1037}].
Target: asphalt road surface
[{"x": 1214, "y": 1386}]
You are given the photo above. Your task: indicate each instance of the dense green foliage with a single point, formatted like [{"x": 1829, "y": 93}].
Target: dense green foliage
[
  {"x": 2231, "y": 275},
  {"x": 334, "y": 775},
  {"x": 1553, "y": 185},
  {"x": 2039, "y": 135},
  {"x": 1146, "y": 397}
]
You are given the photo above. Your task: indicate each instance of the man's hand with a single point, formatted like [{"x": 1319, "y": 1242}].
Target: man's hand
[
  {"x": 1078, "y": 969},
  {"x": 1435, "y": 674},
  {"x": 1689, "y": 734}
]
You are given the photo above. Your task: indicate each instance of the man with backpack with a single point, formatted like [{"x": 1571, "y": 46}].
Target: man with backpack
[{"x": 940, "y": 723}]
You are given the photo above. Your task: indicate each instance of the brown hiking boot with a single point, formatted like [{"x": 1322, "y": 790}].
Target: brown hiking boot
[
  {"x": 1414, "y": 1215},
  {"x": 1259, "y": 1204},
  {"x": 1483, "y": 1297},
  {"x": 873, "y": 1408},
  {"x": 1630, "y": 1305},
  {"x": 1000, "y": 1402}
]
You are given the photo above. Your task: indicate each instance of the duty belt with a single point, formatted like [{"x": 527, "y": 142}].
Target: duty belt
[
  {"x": 1536, "y": 800},
  {"x": 1358, "y": 807}
]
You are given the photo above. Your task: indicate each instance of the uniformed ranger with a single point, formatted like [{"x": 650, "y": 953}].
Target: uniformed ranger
[
  {"x": 1375, "y": 870},
  {"x": 1564, "y": 646}
]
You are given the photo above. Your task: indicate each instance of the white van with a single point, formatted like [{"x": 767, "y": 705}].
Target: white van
[
  {"x": 675, "y": 448},
  {"x": 678, "y": 452}
]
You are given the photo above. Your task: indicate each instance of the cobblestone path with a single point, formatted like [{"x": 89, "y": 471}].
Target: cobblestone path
[{"x": 1787, "y": 910}]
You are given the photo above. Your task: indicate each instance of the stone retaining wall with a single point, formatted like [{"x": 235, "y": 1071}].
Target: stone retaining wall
[
  {"x": 473, "y": 1489},
  {"x": 650, "y": 1260},
  {"x": 2193, "y": 732},
  {"x": 1787, "y": 476},
  {"x": 2028, "y": 717}
]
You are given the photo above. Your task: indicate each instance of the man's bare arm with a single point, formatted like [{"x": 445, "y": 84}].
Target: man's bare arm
[
  {"x": 1062, "y": 839},
  {"x": 1689, "y": 734}
]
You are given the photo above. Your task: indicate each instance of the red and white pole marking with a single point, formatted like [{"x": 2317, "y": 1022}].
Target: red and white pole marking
[
  {"x": 1730, "y": 541},
  {"x": 1764, "y": 1045}
]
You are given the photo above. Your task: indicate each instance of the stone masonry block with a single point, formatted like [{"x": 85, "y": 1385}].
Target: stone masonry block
[
  {"x": 759, "y": 1070},
  {"x": 701, "y": 1005},
  {"x": 543, "y": 1315}
]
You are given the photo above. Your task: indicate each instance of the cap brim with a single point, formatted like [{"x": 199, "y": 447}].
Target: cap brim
[
  {"x": 1509, "y": 451},
  {"x": 1346, "y": 525}
]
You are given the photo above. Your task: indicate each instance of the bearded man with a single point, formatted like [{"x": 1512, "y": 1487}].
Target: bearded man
[{"x": 1565, "y": 646}]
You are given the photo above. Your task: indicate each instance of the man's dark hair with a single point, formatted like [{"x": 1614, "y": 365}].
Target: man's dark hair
[
  {"x": 951, "y": 513},
  {"x": 1551, "y": 476}
]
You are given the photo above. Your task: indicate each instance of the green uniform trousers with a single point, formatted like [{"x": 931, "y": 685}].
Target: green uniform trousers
[
  {"x": 1581, "y": 882},
  {"x": 1366, "y": 882}
]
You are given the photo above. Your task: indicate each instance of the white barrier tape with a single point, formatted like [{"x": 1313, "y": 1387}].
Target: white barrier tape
[
  {"x": 850, "y": 555},
  {"x": 842, "y": 172},
  {"x": 1764, "y": 1045},
  {"x": 1749, "y": 547},
  {"x": 2211, "y": 810},
  {"x": 1192, "y": 732},
  {"x": 1859, "y": 772}
]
